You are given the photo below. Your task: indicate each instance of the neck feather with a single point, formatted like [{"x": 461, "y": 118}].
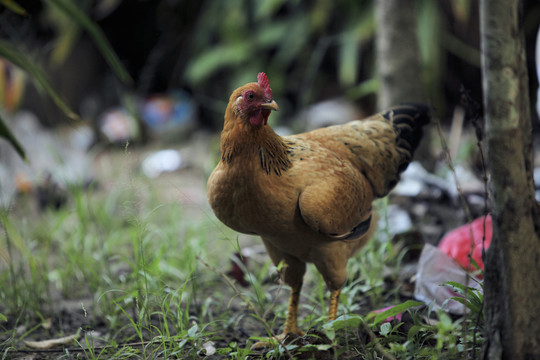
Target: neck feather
[{"x": 243, "y": 142}]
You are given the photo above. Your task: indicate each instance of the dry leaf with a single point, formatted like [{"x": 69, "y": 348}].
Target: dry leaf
[{"x": 47, "y": 344}]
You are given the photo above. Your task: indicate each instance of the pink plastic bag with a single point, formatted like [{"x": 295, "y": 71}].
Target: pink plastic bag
[{"x": 457, "y": 244}]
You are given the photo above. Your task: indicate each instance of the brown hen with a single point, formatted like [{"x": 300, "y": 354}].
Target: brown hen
[{"x": 308, "y": 196}]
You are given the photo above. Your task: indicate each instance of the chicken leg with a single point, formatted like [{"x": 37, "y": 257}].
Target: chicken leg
[
  {"x": 333, "y": 305},
  {"x": 291, "y": 322}
]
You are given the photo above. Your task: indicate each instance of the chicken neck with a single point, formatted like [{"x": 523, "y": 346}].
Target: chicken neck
[{"x": 241, "y": 141}]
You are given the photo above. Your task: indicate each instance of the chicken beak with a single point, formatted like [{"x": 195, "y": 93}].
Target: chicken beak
[{"x": 270, "y": 106}]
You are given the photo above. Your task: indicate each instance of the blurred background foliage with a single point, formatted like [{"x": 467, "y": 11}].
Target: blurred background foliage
[{"x": 89, "y": 55}]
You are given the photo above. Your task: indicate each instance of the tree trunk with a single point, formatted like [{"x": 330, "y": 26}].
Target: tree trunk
[
  {"x": 398, "y": 53},
  {"x": 512, "y": 264},
  {"x": 398, "y": 62}
]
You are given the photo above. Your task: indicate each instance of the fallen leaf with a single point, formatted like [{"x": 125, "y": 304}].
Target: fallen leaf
[{"x": 47, "y": 344}]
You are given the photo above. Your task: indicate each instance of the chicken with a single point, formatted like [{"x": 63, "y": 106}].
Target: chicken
[{"x": 308, "y": 196}]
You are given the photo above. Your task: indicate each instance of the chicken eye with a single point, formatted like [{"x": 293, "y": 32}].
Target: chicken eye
[{"x": 250, "y": 96}]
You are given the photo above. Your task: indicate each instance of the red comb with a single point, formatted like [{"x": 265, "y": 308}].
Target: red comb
[{"x": 263, "y": 82}]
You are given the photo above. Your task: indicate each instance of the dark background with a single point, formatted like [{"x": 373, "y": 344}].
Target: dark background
[{"x": 311, "y": 51}]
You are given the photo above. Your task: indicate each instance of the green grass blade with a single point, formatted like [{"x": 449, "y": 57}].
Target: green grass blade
[
  {"x": 365, "y": 88},
  {"x": 13, "y": 6},
  {"x": 22, "y": 61},
  {"x": 8, "y": 135},
  {"x": 393, "y": 311},
  {"x": 15, "y": 236},
  {"x": 349, "y": 58},
  {"x": 70, "y": 9}
]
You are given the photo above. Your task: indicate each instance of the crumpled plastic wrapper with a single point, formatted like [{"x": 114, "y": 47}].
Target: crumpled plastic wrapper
[{"x": 434, "y": 269}]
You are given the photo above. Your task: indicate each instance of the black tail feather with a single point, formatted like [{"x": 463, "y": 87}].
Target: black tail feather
[{"x": 408, "y": 120}]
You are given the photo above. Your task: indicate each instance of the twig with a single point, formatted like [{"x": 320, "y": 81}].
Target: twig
[
  {"x": 472, "y": 108},
  {"x": 465, "y": 207}
]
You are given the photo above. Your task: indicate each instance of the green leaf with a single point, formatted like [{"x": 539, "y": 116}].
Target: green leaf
[
  {"x": 224, "y": 351},
  {"x": 460, "y": 300},
  {"x": 445, "y": 322},
  {"x": 3, "y": 318},
  {"x": 193, "y": 331},
  {"x": 415, "y": 329},
  {"x": 15, "y": 237},
  {"x": 385, "y": 329},
  {"x": 460, "y": 288},
  {"x": 267, "y": 8},
  {"x": 462, "y": 50},
  {"x": 368, "y": 87},
  {"x": 431, "y": 51},
  {"x": 291, "y": 46},
  {"x": 351, "y": 45},
  {"x": 215, "y": 59},
  {"x": 349, "y": 59},
  {"x": 8, "y": 135},
  {"x": 20, "y": 60},
  {"x": 474, "y": 307},
  {"x": 272, "y": 34},
  {"x": 345, "y": 321},
  {"x": 315, "y": 347},
  {"x": 70, "y": 8},
  {"x": 398, "y": 309},
  {"x": 471, "y": 295},
  {"x": 68, "y": 34}
]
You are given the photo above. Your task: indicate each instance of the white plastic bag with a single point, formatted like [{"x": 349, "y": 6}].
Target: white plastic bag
[{"x": 434, "y": 269}]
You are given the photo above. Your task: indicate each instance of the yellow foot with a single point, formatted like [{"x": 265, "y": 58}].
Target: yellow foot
[{"x": 284, "y": 337}]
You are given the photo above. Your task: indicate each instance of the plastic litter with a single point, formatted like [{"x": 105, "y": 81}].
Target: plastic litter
[
  {"x": 118, "y": 125},
  {"x": 169, "y": 115},
  {"x": 160, "y": 162},
  {"x": 458, "y": 243},
  {"x": 415, "y": 179},
  {"x": 56, "y": 159},
  {"x": 398, "y": 220},
  {"x": 329, "y": 112},
  {"x": 435, "y": 268}
]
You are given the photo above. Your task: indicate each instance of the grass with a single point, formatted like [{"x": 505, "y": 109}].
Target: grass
[{"x": 140, "y": 277}]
